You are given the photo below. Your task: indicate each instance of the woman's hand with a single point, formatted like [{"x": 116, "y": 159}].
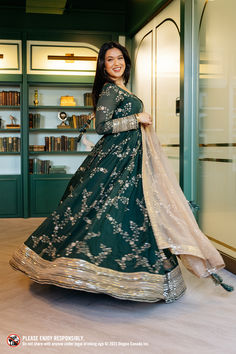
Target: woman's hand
[{"x": 144, "y": 118}]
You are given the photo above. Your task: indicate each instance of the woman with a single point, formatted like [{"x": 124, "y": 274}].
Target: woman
[{"x": 117, "y": 231}]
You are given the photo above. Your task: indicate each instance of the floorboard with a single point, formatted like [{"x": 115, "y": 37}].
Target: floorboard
[{"x": 202, "y": 321}]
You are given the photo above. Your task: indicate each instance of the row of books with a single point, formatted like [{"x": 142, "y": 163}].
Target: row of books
[
  {"x": 12, "y": 98},
  {"x": 10, "y": 144},
  {"x": 53, "y": 143},
  {"x": 34, "y": 120},
  {"x": 9, "y": 98},
  {"x": 61, "y": 143},
  {"x": 37, "y": 166},
  {"x": 77, "y": 122}
]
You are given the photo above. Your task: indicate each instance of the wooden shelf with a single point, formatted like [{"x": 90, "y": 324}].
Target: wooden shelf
[
  {"x": 5, "y": 130},
  {"x": 9, "y": 107},
  {"x": 62, "y": 107},
  {"x": 59, "y": 152},
  {"x": 9, "y": 153},
  {"x": 56, "y": 130},
  {"x": 50, "y": 175}
]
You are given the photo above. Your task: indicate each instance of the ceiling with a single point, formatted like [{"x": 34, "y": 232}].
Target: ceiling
[
  {"x": 117, "y": 16},
  {"x": 60, "y": 7}
]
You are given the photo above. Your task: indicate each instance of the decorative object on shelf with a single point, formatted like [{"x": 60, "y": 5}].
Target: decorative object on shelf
[
  {"x": 13, "y": 124},
  {"x": 88, "y": 99},
  {"x": 67, "y": 101},
  {"x": 36, "y": 101},
  {"x": 88, "y": 144},
  {"x": 63, "y": 117},
  {"x": 1, "y": 123}
]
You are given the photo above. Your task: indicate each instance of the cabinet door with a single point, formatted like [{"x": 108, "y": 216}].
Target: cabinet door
[
  {"x": 10, "y": 192},
  {"x": 46, "y": 192}
]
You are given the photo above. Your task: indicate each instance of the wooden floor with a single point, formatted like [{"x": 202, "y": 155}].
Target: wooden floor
[{"x": 202, "y": 321}]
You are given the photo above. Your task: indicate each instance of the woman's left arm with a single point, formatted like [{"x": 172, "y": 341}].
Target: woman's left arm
[{"x": 107, "y": 103}]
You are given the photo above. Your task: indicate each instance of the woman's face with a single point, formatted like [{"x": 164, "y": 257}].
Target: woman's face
[{"x": 114, "y": 64}]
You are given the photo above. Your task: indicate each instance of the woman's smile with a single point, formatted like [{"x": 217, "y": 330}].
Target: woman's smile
[{"x": 115, "y": 64}]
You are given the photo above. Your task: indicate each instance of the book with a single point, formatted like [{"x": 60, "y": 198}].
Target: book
[
  {"x": 75, "y": 124},
  {"x": 57, "y": 169},
  {"x": 88, "y": 99},
  {"x": 13, "y": 126},
  {"x": 36, "y": 147}
]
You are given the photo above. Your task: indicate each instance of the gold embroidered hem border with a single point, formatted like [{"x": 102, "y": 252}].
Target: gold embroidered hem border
[{"x": 81, "y": 275}]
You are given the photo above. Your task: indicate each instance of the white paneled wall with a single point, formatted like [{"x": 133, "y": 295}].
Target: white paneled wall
[
  {"x": 217, "y": 123},
  {"x": 156, "y": 75}
]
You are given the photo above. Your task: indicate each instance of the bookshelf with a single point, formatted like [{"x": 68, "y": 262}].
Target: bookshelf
[
  {"x": 10, "y": 147},
  {"x": 56, "y": 143},
  {"x": 25, "y": 191},
  {"x": 25, "y": 171}
]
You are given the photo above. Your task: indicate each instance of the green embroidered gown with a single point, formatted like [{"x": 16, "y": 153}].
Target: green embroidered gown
[{"x": 99, "y": 238}]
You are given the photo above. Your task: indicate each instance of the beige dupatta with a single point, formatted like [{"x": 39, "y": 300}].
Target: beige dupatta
[{"x": 173, "y": 223}]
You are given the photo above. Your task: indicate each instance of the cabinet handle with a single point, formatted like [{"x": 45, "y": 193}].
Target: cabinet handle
[{"x": 177, "y": 106}]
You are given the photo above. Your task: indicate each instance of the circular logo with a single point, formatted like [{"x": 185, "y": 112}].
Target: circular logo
[{"x": 13, "y": 340}]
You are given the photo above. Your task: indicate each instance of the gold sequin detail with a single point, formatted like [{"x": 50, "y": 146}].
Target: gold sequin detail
[{"x": 82, "y": 275}]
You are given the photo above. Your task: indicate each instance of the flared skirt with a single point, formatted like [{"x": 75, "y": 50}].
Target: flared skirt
[{"x": 99, "y": 238}]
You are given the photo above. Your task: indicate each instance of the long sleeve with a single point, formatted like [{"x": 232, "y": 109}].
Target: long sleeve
[{"x": 108, "y": 101}]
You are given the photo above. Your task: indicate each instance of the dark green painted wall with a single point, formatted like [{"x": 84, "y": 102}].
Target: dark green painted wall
[
  {"x": 139, "y": 12},
  {"x": 111, "y": 21},
  {"x": 125, "y": 18}
]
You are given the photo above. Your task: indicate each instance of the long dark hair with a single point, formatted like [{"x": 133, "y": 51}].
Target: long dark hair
[{"x": 101, "y": 76}]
